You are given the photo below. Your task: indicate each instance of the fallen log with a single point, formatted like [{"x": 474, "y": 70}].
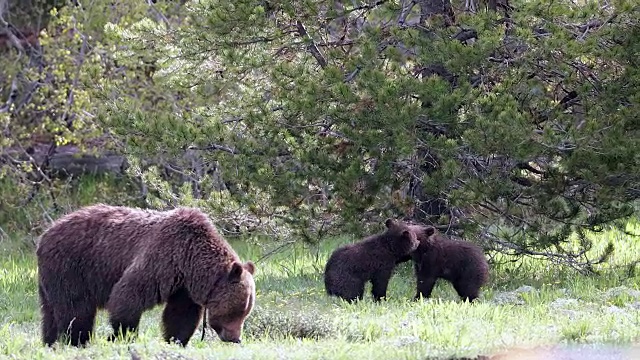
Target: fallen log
[{"x": 67, "y": 160}]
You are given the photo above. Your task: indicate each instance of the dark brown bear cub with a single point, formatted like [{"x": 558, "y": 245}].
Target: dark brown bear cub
[
  {"x": 129, "y": 260},
  {"x": 461, "y": 263},
  {"x": 372, "y": 259}
]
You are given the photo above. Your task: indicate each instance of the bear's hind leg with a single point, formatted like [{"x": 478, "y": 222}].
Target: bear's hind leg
[
  {"x": 180, "y": 317},
  {"x": 346, "y": 287},
  {"x": 352, "y": 290},
  {"x": 466, "y": 290},
  {"x": 82, "y": 327},
  {"x": 379, "y": 283},
  {"x": 356, "y": 296},
  {"x": 49, "y": 328},
  {"x": 76, "y": 322}
]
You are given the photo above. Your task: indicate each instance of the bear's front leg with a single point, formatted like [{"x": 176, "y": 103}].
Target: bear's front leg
[
  {"x": 180, "y": 317},
  {"x": 379, "y": 283},
  {"x": 426, "y": 274},
  {"x": 424, "y": 286},
  {"x": 129, "y": 298}
]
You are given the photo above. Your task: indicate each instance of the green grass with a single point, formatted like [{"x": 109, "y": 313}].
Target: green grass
[{"x": 528, "y": 303}]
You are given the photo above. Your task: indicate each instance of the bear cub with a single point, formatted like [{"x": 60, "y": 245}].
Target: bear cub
[
  {"x": 372, "y": 259},
  {"x": 461, "y": 263}
]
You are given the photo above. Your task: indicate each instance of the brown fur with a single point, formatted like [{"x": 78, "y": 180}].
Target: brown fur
[
  {"x": 129, "y": 260},
  {"x": 372, "y": 259},
  {"x": 461, "y": 263}
]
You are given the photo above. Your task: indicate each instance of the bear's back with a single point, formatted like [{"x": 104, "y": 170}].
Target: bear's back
[
  {"x": 99, "y": 236},
  {"x": 99, "y": 226}
]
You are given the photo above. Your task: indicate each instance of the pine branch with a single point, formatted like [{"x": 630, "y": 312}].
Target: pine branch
[{"x": 312, "y": 47}]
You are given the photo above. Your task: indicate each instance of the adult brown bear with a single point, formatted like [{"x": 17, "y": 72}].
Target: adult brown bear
[
  {"x": 461, "y": 263},
  {"x": 129, "y": 260},
  {"x": 373, "y": 259}
]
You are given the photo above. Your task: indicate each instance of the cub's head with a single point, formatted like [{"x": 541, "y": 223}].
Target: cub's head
[
  {"x": 233, "y": 301},
  {"x": 401, "y": 237},
  {"x": 424, "y": 233}
]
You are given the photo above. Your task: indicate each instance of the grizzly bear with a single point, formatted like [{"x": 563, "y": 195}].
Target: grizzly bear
[
  {"x": 372, "y": 259},
  {"x": 461, "y": 263},
  {"x": 127, "y": 261}
]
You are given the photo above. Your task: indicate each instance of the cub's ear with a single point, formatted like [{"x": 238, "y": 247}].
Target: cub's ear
[
  {"x": 236, "y": 272},
  {"x": 389, "y": 223},
  {"x": 429, "y": 230},
  {"x": 250, "y": 267}
]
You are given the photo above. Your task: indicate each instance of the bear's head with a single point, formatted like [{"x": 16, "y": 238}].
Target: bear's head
[
  {"x": 234, "y": 300},
  {"x": 402, "y": 239},
  {"x": 424, "y": 233}
]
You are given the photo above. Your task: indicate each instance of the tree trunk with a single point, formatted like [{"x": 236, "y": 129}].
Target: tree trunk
[
  {"x": 430, "y": 206},
  {"x": 429, "y": 8}
]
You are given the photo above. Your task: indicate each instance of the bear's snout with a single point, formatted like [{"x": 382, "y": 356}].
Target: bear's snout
[
  {"x": 228, "y": 335},
  {"x": 224, "y": 336}
]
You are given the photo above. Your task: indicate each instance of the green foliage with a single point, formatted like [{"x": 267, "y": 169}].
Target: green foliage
[
  {"x": 295, "y": 323},
  {"x": 29, "y": 211},
  {"x": 310, "y": 119},
  {"x": 530, "y": 130},
  {"x": 51, "y": 105}
]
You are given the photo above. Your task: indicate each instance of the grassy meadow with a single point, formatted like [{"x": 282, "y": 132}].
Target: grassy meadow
[{"x": 528, "y": 304}]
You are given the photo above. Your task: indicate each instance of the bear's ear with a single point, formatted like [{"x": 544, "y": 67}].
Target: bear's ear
[
  {"x": 250, "y": 267},
  {"x": 236, "y": 272},
  {"x": 389, "y": 223},
  {"x": 430, "y": 230}
]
